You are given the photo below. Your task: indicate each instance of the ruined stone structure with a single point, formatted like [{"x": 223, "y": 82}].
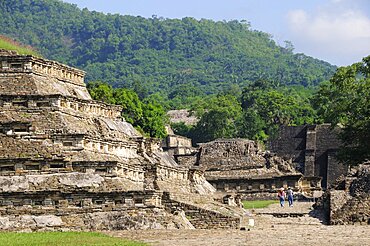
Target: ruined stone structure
[
  {"x": 313, "y": 148},
  {"x": 182, "y": 115},
  {"x": 69, "y": 162},
  {"x": 348, "y": 201},
  {"x": 240, "y": 168},
  {"x": 177, "y": 145}
]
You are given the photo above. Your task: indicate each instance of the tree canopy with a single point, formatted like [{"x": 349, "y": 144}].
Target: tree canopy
[
  {"x": 147, "y": 116},
  {"x": 255, "y": 113},
  {"x": 345, "y": 101}
]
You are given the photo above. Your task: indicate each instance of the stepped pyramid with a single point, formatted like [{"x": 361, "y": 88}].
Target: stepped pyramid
[{"x": 67, "y": 161}]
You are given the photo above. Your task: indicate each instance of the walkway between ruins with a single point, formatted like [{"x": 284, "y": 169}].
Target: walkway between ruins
[
  {"x": 298, "y": 225},
  {"x": 301, "y": 213}
]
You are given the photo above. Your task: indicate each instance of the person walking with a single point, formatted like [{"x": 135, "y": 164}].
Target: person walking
[
  {"x": 290, "y": 196},
  {"x": 281, "y": 195}
]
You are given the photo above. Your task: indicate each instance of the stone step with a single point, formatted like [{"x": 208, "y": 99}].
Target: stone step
[
  {"x": 201, "y": 217},
  {"x": 284, "y": 215}
]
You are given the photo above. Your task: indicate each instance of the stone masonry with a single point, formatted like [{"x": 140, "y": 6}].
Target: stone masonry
[
  {"x": 313, "y": 148},
  {"x": 68, "y": 162},
  {"x": 348, "y": 202},
  {"x": 238, "y": 168}
]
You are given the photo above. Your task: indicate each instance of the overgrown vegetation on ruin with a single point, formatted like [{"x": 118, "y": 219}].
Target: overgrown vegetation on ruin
[
  {"x": 8, "y": 44},
  {"x": 62, "y": 239}
]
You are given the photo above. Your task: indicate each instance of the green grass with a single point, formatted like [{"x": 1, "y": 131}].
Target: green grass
[
  {"x": 8, "y": 44},
  {"x": 62, "y": 239},
  {"x": 258, "y": 203}
]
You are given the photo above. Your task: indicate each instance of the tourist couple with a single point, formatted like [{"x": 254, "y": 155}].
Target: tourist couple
[{"x": 289, "y": 195}]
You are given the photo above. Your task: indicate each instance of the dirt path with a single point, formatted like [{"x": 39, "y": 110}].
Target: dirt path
[
  {"x": 276, "y": 235},
  {"x": 268, "y": 230}
]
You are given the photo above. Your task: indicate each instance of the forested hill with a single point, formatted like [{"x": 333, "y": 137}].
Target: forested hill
[{"x": 178, "y": 58}]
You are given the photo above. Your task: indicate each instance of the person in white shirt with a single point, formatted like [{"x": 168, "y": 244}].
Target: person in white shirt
[{"x": 281, "y": 195}]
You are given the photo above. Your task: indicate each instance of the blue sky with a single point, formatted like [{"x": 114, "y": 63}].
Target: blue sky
[{"x": 337, "y": 31}]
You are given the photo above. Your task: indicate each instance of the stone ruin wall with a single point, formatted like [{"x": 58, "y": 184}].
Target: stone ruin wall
[
  {"x": 174, "y": 141},
  {"x": 182, "y": 115},
  {"x": 291, "y": 144},
  {"x": 62, "y": 103},
  {"x": 313, "y": 148},
  {"x": 29, "y": 75},
  {"x": 79, "y": 201},
  {"x": 240, "y": 156},
  {"x": 239, "y": 166},
  {"x": 327, "y": 144},
  {"x": 223, "y": 154},
  {"x": 83, "y": 210},
  {"x": 14, "y": 63},
  {"x": 177, "y": 145},
  {"x": 256, "y": 189},
  {"x": 93, "y": 219},
  {"x": 349, "y": 201}
]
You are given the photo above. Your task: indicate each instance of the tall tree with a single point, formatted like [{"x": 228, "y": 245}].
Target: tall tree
[
  {"x": 132, "y": 105},
  {"x": 267, "y": 107},
  {"x": 154, "y": 119},
  {"x": 101, "y": 91},
  {"x": 218, "y": 118},
  {"x": 345, "y": 101},
  {"x": 147, "y": 116}
]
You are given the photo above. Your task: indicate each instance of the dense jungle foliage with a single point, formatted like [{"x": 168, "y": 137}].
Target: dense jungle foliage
[
  {"x": 256, "y": 112},
  {"x": 180, "y": 59}
]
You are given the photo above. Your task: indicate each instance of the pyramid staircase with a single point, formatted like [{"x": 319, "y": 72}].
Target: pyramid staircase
[{"x": 203, "y": 212}]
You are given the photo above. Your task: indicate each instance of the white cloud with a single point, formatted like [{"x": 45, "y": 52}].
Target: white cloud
[{"x": 338, "y": 32}]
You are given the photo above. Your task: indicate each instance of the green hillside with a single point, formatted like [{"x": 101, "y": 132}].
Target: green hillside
[{"x": 180, "y": 59}]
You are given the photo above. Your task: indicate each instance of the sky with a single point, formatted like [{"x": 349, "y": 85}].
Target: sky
[{"x": 336, "y": 31}]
